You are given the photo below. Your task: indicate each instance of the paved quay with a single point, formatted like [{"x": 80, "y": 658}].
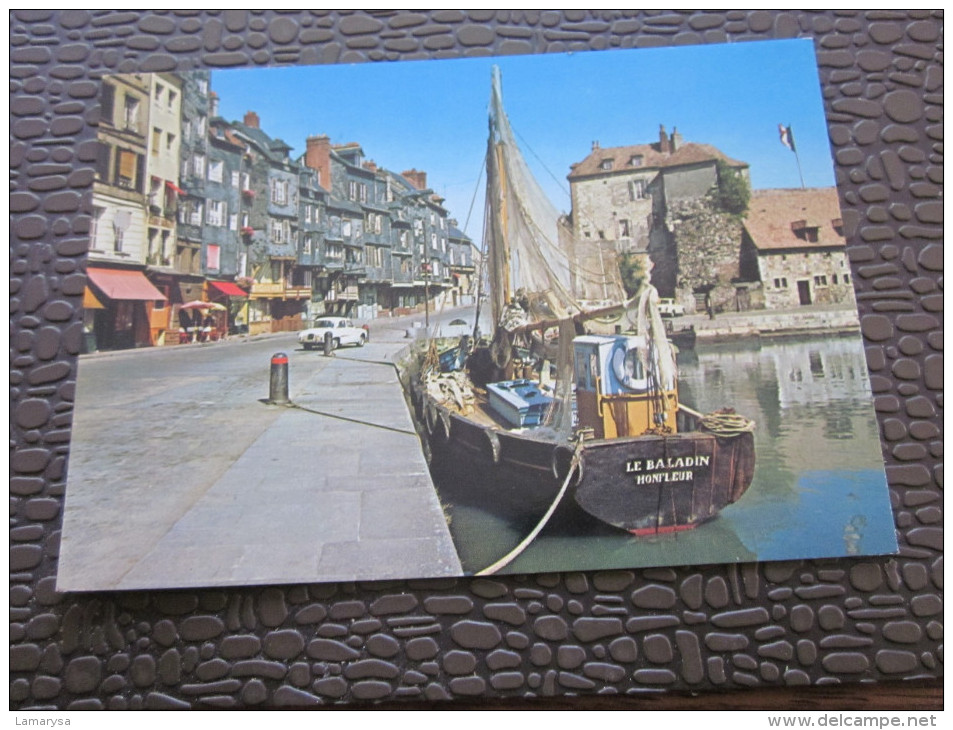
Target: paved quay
[{"x": 332, "y": 487}]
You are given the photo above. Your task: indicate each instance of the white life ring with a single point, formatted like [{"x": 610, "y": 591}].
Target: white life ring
[{"x": 626, "y": 376}]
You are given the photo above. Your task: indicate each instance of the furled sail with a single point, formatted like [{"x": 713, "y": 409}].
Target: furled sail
[{"x": 537, "y": 271}]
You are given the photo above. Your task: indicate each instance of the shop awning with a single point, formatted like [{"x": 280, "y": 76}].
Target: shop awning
[
  {"x": 119, "y": 284},
  {"x": 229, "y": 289},
  {"x": 90, "y": 301},
  {"x": 174, "y": 188}
]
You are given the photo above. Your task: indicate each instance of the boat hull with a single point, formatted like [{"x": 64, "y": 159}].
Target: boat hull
[{"x": 646, "y": 485}]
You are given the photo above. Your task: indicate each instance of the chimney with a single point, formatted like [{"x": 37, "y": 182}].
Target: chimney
[
  {"x": 676, "y": 139},
  {"x": 317, "y": 156},
  {"x": 416, "y": 178},
  {"x": 213, "y": 103},
  {"x": 663, "y": 142},
  {"x": 370, "y": 165},
  {"x": 595, "y": 145},
  {"x": 251, "y": 120}
]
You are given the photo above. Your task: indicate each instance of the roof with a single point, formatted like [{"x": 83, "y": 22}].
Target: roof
[
  {"x": 774, "y": 214},
  {"x": 457, "y": 234},
  {"x": 274, "y": 150},
  {"x": 688, "y": 153}
]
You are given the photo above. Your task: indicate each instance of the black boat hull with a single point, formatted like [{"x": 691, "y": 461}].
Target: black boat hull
[{"x": 646, "y": 485}]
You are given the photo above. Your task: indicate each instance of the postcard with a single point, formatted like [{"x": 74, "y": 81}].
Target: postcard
[{"x": 565, "y": 312}]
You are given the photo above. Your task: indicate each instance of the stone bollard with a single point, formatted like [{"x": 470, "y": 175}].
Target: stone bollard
[
  {"x": 328, "y": 344},
  {"x": 278, "y": 386}
]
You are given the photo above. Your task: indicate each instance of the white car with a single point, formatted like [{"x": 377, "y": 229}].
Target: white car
[
  {"x": 343, "y": 332},
  {"x": 670, "y": 308}
]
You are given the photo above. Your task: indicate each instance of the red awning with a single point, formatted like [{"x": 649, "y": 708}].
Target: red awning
[
  {"x": 172, "y": 186},
  {"x": 119, "y": 284},
  {"x": 227, "y": 287}
]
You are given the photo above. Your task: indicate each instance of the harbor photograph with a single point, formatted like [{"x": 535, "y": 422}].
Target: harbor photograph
[{"x": 423, "y": 320}]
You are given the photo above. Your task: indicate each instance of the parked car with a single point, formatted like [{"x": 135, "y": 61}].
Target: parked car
[
  {"x": 343, "y": 332},
  {"x": 670, "y": 308}
]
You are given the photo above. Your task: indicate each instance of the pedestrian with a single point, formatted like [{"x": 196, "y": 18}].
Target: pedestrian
[
  {"x": 208, "y": 324},
  {"x": 367, "y": 332},
  {"x": 709, "y": 307},
  {"x": 186, "y": 326}
]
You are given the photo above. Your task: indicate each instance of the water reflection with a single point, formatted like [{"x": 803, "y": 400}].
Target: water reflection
[{"x": 818, "y": 491}]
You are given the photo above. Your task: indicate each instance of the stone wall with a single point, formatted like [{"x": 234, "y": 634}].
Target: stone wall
[{"x": 706, "y": 244}]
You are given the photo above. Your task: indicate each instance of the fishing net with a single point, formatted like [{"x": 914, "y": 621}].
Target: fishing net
[
  {"x": 534, "y": 260},
  {"x": 542, "y": 277}
]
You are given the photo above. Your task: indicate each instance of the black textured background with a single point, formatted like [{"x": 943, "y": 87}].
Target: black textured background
[{"x": 693, "y": 629}]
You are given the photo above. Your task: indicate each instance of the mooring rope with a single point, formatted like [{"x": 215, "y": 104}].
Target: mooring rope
[
  {"x": 726, "y": 424},
  {"x": 515, "y": 552}
]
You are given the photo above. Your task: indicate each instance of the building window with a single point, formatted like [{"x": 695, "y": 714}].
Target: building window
[
  {"x": 279, "y": 232},
  {"x": 131, "y": 114},
  {"x": 169, "y": 142},
  {"x": 307, "y": 213},
  {"x": 127, "y": 167},
  {"x": 98, "y": 212},
  {"x": 200, "y": 126},
  {"x": 636, "y": 160},
  {"x": 159, "y": 89},
  {"x": 279, "y": 192},
  {"x": 233, "y": 222},
  {"x": 213, "y": 255},
  {"x": 215, "y": 213},
  {"x": 624, "y": 229},
  {"x": 781, "y": 283},
  {"x": 820, "y": 280},
  {"x": 236, "y": 179},
  {"x": 172, "y": 98},
  {"x": 846, "y": 279},
  {"x": 605, "y": 164},
  {"x": 198, "y": 165},
  {"x": 637, "y": 190},
  {"x": 120, "y": 223},
  {"x": 102, "y": 161},
  {"x": 216, "y": 171},
  {"x": 346, "y": 229},
  {"x": 156, "y": 140}
]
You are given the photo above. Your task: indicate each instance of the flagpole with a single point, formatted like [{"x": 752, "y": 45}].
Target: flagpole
[
  {"x": 787, "y": 139},
  {"x": 799, "y": 173}
]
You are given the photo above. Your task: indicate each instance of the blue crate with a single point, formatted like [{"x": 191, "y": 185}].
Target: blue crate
[{"x": 521, "y": 403}]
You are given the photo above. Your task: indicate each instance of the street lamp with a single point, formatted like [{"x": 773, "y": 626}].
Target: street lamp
[{"x": 425, "y": 270}]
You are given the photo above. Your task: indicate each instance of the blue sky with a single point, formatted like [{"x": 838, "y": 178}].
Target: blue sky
[{"x": 432, "y": 115}]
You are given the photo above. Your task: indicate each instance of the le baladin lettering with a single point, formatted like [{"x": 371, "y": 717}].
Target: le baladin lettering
[{"x": 680, "y": 462}]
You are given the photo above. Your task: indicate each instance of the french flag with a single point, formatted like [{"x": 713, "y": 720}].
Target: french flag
[{"x": 787, "y": 137}]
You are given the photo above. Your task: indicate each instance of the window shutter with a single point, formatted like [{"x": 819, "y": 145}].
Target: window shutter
[
  {"x": 102, "y": 160},
  {"x": 107, "y": 103},
  {"x": 140, "y": 173}
]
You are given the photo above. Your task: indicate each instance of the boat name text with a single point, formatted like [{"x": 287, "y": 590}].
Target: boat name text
[
  {"x": 671, "y": 469},
  {"x": 636, "y": 465}
]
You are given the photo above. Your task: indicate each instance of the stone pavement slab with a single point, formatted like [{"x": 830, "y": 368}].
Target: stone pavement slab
[{"x": 336, "y": 488}]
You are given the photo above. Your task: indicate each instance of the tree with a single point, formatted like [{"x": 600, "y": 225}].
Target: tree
[
  {"x": 632, "y": 270},
  {"x": 733, "y": 192}
]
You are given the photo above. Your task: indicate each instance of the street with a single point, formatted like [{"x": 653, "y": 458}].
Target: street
[{"x": 181, "y": 475}]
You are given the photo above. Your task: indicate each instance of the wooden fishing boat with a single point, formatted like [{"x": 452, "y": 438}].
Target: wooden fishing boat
[{"x": 550, "y": 412}]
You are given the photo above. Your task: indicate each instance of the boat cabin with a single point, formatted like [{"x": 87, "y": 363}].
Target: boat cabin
[{"x": 616, "y": 394}]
